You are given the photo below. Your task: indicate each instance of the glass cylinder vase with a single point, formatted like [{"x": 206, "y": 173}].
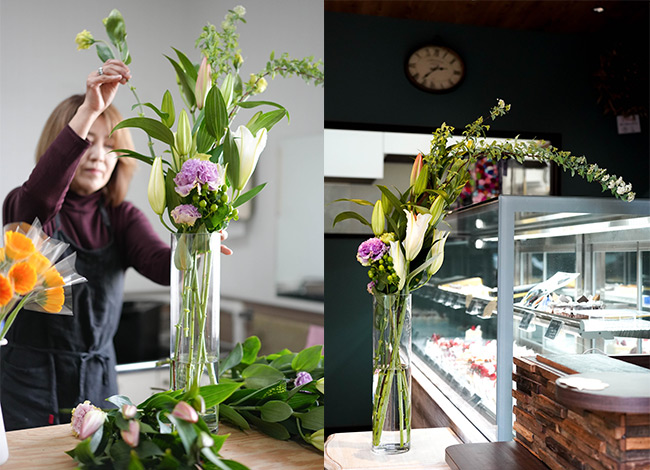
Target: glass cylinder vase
[
  {"x": 194, "y": 313},
  {"x": 391, "y": 406}
]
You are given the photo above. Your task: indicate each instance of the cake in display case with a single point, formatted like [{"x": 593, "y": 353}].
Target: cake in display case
[{"x": 526, "y": 275}]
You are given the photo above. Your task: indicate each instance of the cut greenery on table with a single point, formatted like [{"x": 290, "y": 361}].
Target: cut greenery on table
[{"x": 279, "y": 394}]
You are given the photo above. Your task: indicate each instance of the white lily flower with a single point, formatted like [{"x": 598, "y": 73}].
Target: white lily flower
[
  {"x": 250, "y": 147},
  {"x": 399, "y": 263},
  {"x": 437, "y": 250},
  {"x": 416, "y": 228}
]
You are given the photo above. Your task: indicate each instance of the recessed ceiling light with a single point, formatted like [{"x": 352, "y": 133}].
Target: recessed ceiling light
[{"x": 599, "y": 9}]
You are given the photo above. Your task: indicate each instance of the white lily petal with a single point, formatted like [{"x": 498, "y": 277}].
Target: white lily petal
[{"x": 416, "y": 228}]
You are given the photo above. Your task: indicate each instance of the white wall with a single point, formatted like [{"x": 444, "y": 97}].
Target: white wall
[{"x": 40, "y": 66}]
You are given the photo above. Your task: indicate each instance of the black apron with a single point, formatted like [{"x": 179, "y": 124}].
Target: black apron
[{"x": 54, "y": 362}]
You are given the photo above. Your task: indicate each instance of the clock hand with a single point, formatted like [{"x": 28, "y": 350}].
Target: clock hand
[{"x": 437, "y": 67}]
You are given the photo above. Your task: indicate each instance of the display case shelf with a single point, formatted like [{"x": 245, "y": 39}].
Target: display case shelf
[{"x": 468, "y": 321}]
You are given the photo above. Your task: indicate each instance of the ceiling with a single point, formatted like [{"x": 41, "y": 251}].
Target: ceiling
[{"x": 556, "y": 16}]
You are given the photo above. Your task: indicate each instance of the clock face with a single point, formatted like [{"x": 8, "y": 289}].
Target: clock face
[{"x": 435, "y": 68}]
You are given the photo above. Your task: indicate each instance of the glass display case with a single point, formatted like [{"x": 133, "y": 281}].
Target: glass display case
[{"x": 525, "y": 275}]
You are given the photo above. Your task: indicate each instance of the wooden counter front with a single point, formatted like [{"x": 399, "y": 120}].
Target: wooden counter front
[{"x": 44, "y": 448}]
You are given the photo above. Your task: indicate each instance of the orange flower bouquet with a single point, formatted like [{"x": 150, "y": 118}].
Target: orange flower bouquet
[{"x": 30, "y": 275}]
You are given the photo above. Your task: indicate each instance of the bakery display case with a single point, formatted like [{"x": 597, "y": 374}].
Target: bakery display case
[{"x": 526, "y": 275}]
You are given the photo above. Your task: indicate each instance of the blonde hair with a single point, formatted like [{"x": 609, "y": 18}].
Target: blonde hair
[{"x": 118, "y": 185}]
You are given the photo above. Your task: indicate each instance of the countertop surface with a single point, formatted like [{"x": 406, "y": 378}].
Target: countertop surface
[
  {"x": 352, "y": 451},
  {"x": 44, "y": 448}
]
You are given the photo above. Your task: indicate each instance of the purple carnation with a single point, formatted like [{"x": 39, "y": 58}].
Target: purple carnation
[
  {"x": 371, "y": 250},
  {"x": 370, "y": 287},
  {"x": 302, "y": 378},
  {"x": 185, "y": 214},
  {"x": 195, "y": 173}
]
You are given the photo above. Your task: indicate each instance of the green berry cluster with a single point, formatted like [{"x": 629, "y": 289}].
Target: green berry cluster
[
  {"x": 214, "y": 207},
  {"x": 383, "y": 272}
]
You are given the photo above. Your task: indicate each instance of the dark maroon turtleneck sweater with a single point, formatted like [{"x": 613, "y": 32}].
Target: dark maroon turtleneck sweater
[{"x": 47, "y": 193}]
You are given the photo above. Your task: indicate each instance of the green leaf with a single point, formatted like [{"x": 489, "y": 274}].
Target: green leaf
[
  {"x": 148, "y": 448},
  {"x": 126, "y": 56},
  {"x": 167, "y": 107},
  {"x": 215, "y": 394},
  {"x": 160, "y": 114},
  {"x": 267, "y": 120},
  {"x": 228, "y": 413},
  {"x": 158, "y": 401},
  {"x": 173, "y": 198},
  {"x": 350, "y": 215},
  {"x": 104, "y": 52},
  {"x": 233, "y": 359},
  {"x": 231, "y": 158},
  {"x": 253, "y": 104},
  {"x": 314, "y": 419},
  {"x": 130, "y": 153},
  {"x": 251, "y": 347},
  {"x": 134, "y": 463},
  {"x": 187, "y": 85},
  {"x": 361, "y": 202},
  {"x": 397, "y": 204},
  {"x": 248, "y": 195},
  {"x": 300, "y": 401},
  {"x": 82, "y": 453},
  {"x": 307, "y": 359},
  {"x": 216, "y": 115},
  {"x": 283, "y": 362},
  {"x": 275, "y": 411},
  {"x": 115, "y": 27},
  {"x": 261, "y": 375},
  {"x": 275, "y": 430},
  {"x": 187, "y": 64},
  {"x": 185, "y": 430},
  {"x": 155, "y": 129}
]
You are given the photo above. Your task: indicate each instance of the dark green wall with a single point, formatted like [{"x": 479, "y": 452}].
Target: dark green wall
[{"x": 548, "y": 80}]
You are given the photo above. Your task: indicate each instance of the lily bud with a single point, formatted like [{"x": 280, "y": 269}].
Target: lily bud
[
  {"x": 184, "y": 411},
  {"x": 129, "y": 411},
  {"x": 421, "y": 182},
  {"x": 183, "y": 135},
  {"x": 132, "y": 435},
  {"x": 199, "y": 404},
  {"x": 378, "y": 221},
  {"x": 92, "y": 421},
  {"x": 205, "y": 440},
  {"x": 203, "y": 83},
  {"x": 250, "y": 147},
  {"x": 156, "y": 189},
  {"x": 415, "y": 170},
  {"x": 436, "y": 210},
  {"x": 320, "y": 385},
  {"x": 317, "y": 439},
  {"x": 437, "y": 251}
]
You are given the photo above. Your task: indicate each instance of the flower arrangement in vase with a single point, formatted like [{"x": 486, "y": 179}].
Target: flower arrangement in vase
[
  {"x": 200, "y": 180},
  {"x": 408, "y": 249}
]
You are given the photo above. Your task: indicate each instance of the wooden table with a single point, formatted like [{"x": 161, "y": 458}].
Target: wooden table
[
  {"x": 492, "y": 456},
  {"x": 352, "y": 451},
  {"x": 45, "y": 448}
]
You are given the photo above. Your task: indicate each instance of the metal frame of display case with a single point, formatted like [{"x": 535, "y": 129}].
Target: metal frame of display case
[{"x": 508, "y": 206}]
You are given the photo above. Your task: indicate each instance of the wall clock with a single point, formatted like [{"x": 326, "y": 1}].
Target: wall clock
[{"x": 436, "y": 69}]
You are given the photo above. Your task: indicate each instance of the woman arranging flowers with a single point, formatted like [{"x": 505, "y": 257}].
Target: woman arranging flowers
[{"x": 408, "y": 249}]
